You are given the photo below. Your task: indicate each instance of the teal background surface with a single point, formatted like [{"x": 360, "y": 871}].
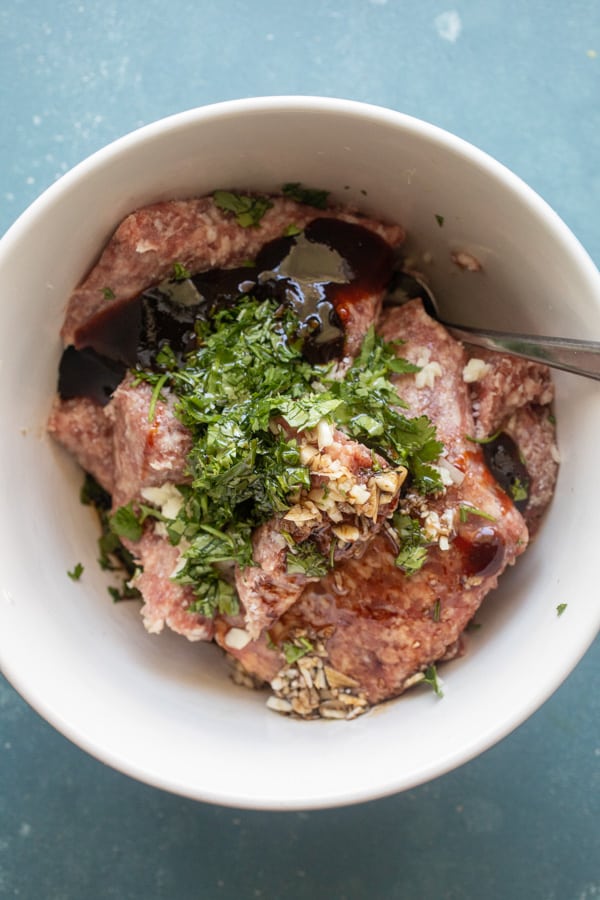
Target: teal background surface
[{"x": 521, "y": 80}]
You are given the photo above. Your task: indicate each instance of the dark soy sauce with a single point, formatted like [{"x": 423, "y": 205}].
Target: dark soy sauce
[
  {"x": 504, "y": 462},
  {"x": 482, "y": 554},
  {"x": 321, "y": 274}
]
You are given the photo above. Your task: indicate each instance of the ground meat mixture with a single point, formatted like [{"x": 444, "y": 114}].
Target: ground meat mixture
[{"x": 367, "y": 629}]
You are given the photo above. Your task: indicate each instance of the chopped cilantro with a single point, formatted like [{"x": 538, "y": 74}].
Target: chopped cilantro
[
  {"x": 180, "y": 273},
  {"x": 248, "y": 210},
  {"x": 156, "y": 396},
  {"x": 247, "y": 375},
  {"x": 292, "y": 231},
  {"x": 439, "y": 219},
  {"x": 552, "y": 418},
  {"x": 437, "y": 609},
  {"x": 473, "y": 626},
  {"x": 92, "y": 494},
  {"x": 166, "y": 359},
  {"x": 561, "y": 608},
  {"x": 309, "y": 196},
  {"x": 332, "y": 547},
  {"x": 518, "y": 490},
  {"x": 210, "y": 546},
  {"x": 307, "y": 559},
  {"x": 465, "y": 511},
  {"x": 413, "y": 546},
  {"x": 125, "y": 523},
  {"x": 76, "y": 573},
  {"x": 431, "y": 678},
  {"x": 296, "y": 649},
  {"x": 108, "y": 293},
  {"x": 369, "y": 412},
  {"x": 113, "y": 554},
  {"x": 125, "y": 593}
]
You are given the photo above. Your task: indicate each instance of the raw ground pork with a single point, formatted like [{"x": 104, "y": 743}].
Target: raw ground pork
[{"x": 374, "y": 630}]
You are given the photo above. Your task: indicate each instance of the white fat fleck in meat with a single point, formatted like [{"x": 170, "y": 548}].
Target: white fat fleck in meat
[{"x": 145, "y": 246}]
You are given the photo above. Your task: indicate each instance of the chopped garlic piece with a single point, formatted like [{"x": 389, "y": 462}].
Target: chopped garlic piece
[
  {"x": 347, "y": 533},
  {"x": 324, "y": 434},
  {"x": 475, "y": 370},
  {"x": 303, "y": 512},
  {"x": 237, "y": 638},
  {"x": 279, "y": 705},
  {"x": 426, "y": 377},
  {"x": 166, "y": 497}
]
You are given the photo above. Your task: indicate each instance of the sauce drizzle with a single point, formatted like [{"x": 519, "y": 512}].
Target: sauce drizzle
[{"x": 321, "y": 274}]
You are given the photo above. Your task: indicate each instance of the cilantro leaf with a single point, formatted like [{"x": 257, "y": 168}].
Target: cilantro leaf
[
  {"x": 208, "y": 547},
  {"x": 126, "y": 592},
  {"x": 465, "y": 511},
  {"x": 431, "y": 678},
  {"x": 114, "y": 556},
  {"x": 413, "y": 545},
  {"x": 76, "y": 573},
  {"x": 156, "y": 396},
  {"x": 309, "y": 196},
  {"x": 296, "y": 649},
  {"x": 180, "y": 273},
  {"x": 248, "y": 210},
  {"x": 518, "y": 490},
  {"x": 92, "y": 494},
  {"x": 306, "y": 559},
  {"x": 125, "y": 523},
  {"x": 561, "y": 608}
]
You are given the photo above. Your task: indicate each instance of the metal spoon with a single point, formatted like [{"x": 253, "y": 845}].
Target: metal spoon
[{"x": 579, "y": 357}]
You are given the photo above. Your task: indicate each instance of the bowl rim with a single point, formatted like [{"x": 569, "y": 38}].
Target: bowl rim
[{"x": 477, "y": 157}]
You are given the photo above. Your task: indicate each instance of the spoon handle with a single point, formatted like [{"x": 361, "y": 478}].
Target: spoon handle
[{"x": 580, "y": 357}]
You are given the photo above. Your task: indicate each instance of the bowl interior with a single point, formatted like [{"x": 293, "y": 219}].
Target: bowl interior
[{"x": 163, "y": 709}]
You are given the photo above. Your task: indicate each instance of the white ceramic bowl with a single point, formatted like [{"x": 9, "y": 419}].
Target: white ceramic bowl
[{"x": 164, "y": 710}]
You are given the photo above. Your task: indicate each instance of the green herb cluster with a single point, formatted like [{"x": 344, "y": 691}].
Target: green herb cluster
[
  {"x": 310, "y": 196},
  {"x": 114, "y": 556},
  {"x": 243, "y": 393},
  {"x": 248, "y": 210}
]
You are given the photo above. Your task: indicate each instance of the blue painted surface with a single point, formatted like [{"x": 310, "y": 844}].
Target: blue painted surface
[{"x": 522, "y": 81}]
